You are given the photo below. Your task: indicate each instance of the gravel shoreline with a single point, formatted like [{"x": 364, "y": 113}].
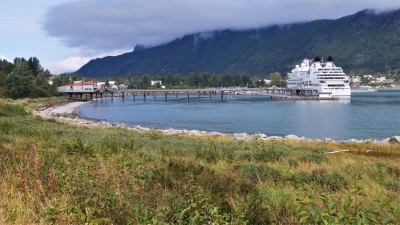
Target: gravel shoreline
[{"x": 65, "y": 112}]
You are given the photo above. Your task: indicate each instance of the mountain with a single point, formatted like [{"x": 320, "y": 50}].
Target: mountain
[{"x": 363, "y": 41}]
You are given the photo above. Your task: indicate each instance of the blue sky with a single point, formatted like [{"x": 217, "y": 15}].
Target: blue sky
[{"x": 65, "y": 34}]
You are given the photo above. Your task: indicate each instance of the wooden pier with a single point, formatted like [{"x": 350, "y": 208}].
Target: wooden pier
[{"x": 280, "y": 94}]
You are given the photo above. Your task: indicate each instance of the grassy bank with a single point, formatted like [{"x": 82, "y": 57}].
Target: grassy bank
[{"x": 55, "y": 173}]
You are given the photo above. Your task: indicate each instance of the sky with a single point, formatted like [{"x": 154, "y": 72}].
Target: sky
[{"x": 66, "y": 34}]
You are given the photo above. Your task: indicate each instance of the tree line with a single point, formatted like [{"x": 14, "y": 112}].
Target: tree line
[
  {"x": 28, "y": 79},
  {"x": 25, "y": 78},
  {"x": 206, "y": 80},
  {"x": 202, "y": 80}
]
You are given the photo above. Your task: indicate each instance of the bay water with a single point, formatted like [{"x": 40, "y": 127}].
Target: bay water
[{"x": 364, "y": 116}]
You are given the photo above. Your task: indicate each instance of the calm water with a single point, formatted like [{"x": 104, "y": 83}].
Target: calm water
[{"x": 364, "y": 116}]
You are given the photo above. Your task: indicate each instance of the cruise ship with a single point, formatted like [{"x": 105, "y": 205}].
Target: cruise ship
[
  {"x": 325, "y": 77},
  {"x": 297, "y": 75}
]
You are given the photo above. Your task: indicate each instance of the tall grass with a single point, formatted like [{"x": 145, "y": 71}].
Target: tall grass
[{"x": 53, "y": 173}]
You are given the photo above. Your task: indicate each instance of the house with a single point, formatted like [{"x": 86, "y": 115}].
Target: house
[
  {"x": 101, "y": 84},
  {"x": 79, "y": 86},
  {"x": 380, "y": 79},
  {"x": 355, "y": 79},
  {"x": 155, "y": 82},
  {"x": 110, "y": 84}
]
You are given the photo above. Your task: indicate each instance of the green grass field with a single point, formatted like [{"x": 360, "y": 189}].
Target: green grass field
[{"x": 53, "y": 173}]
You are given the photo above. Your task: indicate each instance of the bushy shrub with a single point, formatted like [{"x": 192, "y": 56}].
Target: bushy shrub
[
  {"x": 9, "y": 110},
  {"x": 260, "y": 172},
  {"x": 315, "y": 157},
  {"x": 77, "y": 146},
  {"x": 333, "y": 182},
  {"x": 271, "y": 152}
]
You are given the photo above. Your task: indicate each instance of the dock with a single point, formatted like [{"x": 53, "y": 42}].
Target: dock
[{"x": 225, "y": 94}]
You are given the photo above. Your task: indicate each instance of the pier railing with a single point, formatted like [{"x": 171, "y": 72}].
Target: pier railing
[{"x": 273, "y": 93}]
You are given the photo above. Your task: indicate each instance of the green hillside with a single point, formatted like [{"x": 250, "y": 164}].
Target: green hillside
[{"x": 363, "y": 41}]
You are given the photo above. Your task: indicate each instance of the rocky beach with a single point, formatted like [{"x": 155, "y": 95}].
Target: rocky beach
[{"x": 66, "y": 112}]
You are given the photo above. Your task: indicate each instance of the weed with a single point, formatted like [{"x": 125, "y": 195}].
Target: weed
[
  {"x": 155, "y": 135},
  {"x": 326, "y": 210},
  {"x": 270, "y": 152},
  {"x": 293, "y": 163},
  {"x": 5, "y": 127},
  {"x": 9, "y": 110},
  {"x": 333, "y": 182},
  {"x": 260, "y": 172},
  {"x": 393, "y": 185},
  {"x": 393, "y": 171},
  {"x": 77, "y": 146},
  {"x": 315, "y": 155}
]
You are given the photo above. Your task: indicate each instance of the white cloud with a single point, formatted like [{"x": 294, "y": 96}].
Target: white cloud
[
  {"x": 101, "y": 28},
  {"x": 106, "y": 25},
  {"x": 71, "y": 64},
  {"x": 74, "y": 62},
  {"x": 4, "y": 57}
]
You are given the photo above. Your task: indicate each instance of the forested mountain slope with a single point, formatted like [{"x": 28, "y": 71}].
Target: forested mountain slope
[{"x": 363, "y": 41}]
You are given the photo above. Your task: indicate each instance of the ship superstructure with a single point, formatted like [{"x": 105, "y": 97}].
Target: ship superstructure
[
  {"x": 297, "y": 75},
  {"x": 328, "y": 79}
]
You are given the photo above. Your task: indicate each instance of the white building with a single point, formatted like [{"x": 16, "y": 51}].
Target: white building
[
  {"x": 380, "y": 79},
  {"x": 356, "y": 79},
  {"x": 155, "y": 82}
]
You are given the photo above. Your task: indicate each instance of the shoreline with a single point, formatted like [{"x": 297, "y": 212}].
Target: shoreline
[{"x": 66, "y": 112}]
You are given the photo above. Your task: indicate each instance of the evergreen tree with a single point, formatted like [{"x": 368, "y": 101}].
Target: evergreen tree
[
  {"x": 178, "y": 80},
  {"x": 18, "y": 83},
  {"x": 6, "y": 67},
  {"x": 146, "y": 80},
  {"x": 18, "y": 60},
  {"x": 34, "y": 66},
  {"x": 169, "y": 79},
  {"x": 238, "y": 80},
  {"x": 40, "y": 81},
  {"x": 205, "y": 79},
  {"x": 56, "y": 82},
  {"x": 190, "y": 79},
  {"x": 227, "y": 80},
  {"x": 215, "y": 80}
]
